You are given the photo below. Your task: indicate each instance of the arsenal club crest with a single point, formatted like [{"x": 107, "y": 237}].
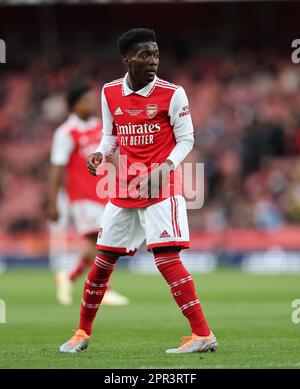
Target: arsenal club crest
[{"x": 151, "y": 110}]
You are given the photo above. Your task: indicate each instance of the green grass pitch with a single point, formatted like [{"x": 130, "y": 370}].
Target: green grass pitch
[{"x": 250, "y": 315}]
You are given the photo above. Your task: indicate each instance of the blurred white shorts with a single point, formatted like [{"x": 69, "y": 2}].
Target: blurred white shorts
[
  {"x": 86, "y": 215},
  {"x": 162, "y": 224}
]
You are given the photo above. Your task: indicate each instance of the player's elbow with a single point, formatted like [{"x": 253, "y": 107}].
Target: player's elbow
[{"x": 189, "y": 140}]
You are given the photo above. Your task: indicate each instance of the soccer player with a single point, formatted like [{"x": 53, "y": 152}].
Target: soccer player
[
  {"x": 73, "y": 141},
  {"x": 149, "y": 120},
  {"x": 61, "y": 256}
]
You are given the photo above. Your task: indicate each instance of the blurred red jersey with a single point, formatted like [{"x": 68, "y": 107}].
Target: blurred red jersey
[{"x": 73, "y": 142}]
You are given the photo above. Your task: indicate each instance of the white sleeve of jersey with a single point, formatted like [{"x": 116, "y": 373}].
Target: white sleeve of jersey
[
  {"x": 107, "y": 117},
  {"x": 181, "y": 121},
  {"x": 109, "y": 142},
  {"x": 108, "y": 145},
  {"x": 62, "y": 147}
]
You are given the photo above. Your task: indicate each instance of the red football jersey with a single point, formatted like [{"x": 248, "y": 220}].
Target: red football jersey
[
  {"x": 145, "y": 123},
  {"x": 73, "y": 142}
]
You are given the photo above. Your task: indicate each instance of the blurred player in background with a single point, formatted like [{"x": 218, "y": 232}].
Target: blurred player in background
[
  {"x": 62, "y": 255},
  {"x": 73, "y": 141},
  {"x": 149, "y": 120}
]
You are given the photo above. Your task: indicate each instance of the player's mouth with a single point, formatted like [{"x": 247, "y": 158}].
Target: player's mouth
[{"x": 151, "y": 72}]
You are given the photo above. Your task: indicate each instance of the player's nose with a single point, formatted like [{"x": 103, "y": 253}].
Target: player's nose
[{"x": 153, "y": 61}]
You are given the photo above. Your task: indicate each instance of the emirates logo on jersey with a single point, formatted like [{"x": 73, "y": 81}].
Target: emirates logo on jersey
[{"x": 151, "y": 110}]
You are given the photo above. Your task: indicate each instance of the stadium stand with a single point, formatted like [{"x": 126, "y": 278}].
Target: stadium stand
[{"x": 244, "y": 103}]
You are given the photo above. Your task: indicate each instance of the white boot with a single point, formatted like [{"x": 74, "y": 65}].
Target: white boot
[
  {"x": 112, "y": 297},
  {"x": 64, "y": 288}
]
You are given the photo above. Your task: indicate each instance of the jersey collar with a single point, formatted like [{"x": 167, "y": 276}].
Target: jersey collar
[{"x": 145, "y": 92}]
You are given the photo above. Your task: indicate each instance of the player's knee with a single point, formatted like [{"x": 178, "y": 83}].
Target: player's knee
[
  {"x": 108, "y": 254},
  {"x": 161, "y": 250}
]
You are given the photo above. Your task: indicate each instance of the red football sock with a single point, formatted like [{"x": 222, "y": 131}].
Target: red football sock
[
  {"x": 183, "y": 290},
  {"x": 94, "y": 290},
  {"x": 82, "y": 264}
]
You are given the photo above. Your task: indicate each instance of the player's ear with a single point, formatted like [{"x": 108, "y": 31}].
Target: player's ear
[{"x": 126, "y": 60}]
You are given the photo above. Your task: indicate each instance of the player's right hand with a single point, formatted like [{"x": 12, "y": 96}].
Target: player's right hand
[
  {"x": 93, "y": 161},
  {"x": 52, "y": 212}
]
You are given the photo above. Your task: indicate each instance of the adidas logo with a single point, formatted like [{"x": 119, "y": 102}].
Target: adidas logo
[
  {"x": 164, "y": 234},
  {"x": 118, "y": 111}
]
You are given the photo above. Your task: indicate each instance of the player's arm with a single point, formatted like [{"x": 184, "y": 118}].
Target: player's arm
[
  {"x": 181, "y": 121},
  {"x": 62, "y": 147},
  {"x": 56, "y": 179},
  {"x": 109, "y": 142}
]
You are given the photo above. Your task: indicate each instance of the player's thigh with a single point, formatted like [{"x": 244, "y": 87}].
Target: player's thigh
[
  {"x": 166, "y": 224},
  {"x": 117, "y": 227}
]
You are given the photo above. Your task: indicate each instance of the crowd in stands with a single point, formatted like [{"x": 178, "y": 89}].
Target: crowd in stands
[{"x": 246, "y": 114}]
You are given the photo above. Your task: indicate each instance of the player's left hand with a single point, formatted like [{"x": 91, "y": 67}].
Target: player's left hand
[{"x": 93, "y": 161}]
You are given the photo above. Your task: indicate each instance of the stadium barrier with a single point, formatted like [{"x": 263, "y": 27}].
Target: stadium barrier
[{"x": 252, "y": 250}]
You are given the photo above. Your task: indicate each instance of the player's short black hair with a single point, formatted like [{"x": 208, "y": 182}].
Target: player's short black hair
[
  {"x": 134, "y": 36},
  {"x": 75, "y": 91}
]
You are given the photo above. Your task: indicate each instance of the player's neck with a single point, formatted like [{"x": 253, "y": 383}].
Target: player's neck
[{"x": 135, "y": 85}]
